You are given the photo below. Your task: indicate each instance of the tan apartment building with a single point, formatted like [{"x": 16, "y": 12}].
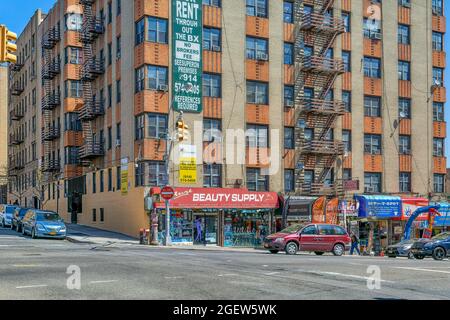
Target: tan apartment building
[
  {"x": 348, "y": 96},
  {"x": 24, "y": 139},
  {"x": 3, "y": 133}
]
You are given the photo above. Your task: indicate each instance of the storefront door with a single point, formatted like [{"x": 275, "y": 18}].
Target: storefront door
[{"x": 205, "y": 228}]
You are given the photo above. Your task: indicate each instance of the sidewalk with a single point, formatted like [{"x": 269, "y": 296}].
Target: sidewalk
[{"x": 84, "y": 234}]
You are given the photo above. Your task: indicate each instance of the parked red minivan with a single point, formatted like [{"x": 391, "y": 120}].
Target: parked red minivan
[{"x": 318, "y": 238}]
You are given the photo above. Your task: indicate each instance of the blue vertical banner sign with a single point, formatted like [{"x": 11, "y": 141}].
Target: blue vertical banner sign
[{"x": 187, "y": 67}]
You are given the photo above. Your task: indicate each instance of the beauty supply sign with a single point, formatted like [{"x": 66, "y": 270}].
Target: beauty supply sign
[{"x": 187, "y": 30}]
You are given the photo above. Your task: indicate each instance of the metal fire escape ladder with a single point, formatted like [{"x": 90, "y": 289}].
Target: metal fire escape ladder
[
  {"x": 51, "y": 68},
  {"x": 92, "y": 107},
  {"x": 316, "y": 30}
]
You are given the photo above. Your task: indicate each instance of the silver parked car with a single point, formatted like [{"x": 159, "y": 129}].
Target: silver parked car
[{"x": 6, "y": 214}]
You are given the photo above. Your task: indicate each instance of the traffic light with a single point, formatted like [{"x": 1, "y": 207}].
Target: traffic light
[
  {"x": 182, "y": 131},
  {"x": 8, "y": 48}
]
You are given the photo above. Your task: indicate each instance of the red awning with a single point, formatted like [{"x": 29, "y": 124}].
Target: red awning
[{"x": 216, "y": 198}]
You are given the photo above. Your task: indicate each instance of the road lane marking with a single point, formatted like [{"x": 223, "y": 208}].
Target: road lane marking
[
  {"x": 422, "y": 269},
  {"x": 227, "y": 275},
  {"x": 337, "y": 274},
  {"x": 173, "y": 278},
  {"x": 103, "y": 281},
  {"x": 35, "y": 286},
  {"x": 271, "y": 273}
]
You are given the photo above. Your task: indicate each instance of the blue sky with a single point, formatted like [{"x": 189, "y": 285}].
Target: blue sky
[{"x": 15, "y": 14}]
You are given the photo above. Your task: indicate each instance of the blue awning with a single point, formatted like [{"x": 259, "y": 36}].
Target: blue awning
[{"x": 379, "y": 207}]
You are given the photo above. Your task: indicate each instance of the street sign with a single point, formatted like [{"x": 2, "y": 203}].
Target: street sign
[
  {"x": 187, "y": 26},
  {"x": 167, "y": 193}
]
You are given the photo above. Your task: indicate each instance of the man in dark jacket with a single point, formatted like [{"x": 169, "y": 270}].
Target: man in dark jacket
[{"x": 355, "y": 244}]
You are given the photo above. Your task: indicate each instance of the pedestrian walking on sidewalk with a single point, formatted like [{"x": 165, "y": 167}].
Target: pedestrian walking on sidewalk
[{"x": 355, "y": 244}]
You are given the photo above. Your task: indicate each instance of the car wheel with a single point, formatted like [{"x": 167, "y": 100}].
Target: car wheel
[
  {"x": 33, "y": 233},
  {"x": 410, "y": 255},
  {"x": 338, "y": 250},
  {"x": 439, "y": 254},
  {"x": 273, "y": 251},
  {"x": 419, "y": 257},
  {"x": 18, "y": 229},
  {"x": 319, "y": 253},
  {"x": 291, "y": 248}
]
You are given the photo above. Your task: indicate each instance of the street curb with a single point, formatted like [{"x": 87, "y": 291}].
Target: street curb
[{"x": 73, "y": 240}]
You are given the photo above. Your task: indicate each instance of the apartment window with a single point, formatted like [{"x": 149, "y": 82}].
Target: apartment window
[
  {"x": 73, "y": 89},
  {"x": 403, "y": 34},
  {"x": 72, "y": 55},
  {"x": 157, "y": 77},
  {"x": 71, "y": 155},
  {"x": 118, "y": 134},
  {"x": 109, "y": 54},
  {"x": 347, "y": 59},
  {"x": 211, "y": 128},
  {"x": 347, "y": 140},
  {"x": 72, "y": 122},
  {"x": 256, "y": 181},
  {"x": 288, "y": 11},
  {"x": 372, "y": 182},
  {"x": 118, "y": 47},
  {"x": 139, "y": 79},
  {"x": 140, "y": 31},
  {"x": 347, "y": 174},
  {"x": 289, "y": 180},
  {"x": 157, "y": 126},
  {"x": 404, "y": 144},
  {"x": 404, "y": 71},
  {"x": 214, "y": 3},
  {"x": 289, "y": 140},
  {"x": 110, "y": 187},
  {"x": 139, "y": 127},
  {"x": 257, "y": 8},
  {"x": 102, "y": 215},
  {"x": 404, "y": 3},
  {"x": 73, "y": 22},
  {"x": 404, "y": 108},
  {"x": 94, "y": 215},
  {"x": 118, "y": 178},
  {"x": 94, "y": 182},
  {"x": 257, "y": 136},
  {"x": 102, "y": 182},
  {"x": 438, "y": 111},
  {"x": 109, "y": 12},
  {"x": 109, "y": 96},
  {"x": 438, "y": 76},
  {"x": 437, "y": 6},
  {"x": 347, "y": 21},
  {"x": 257, "y": 92},
  {"x": 288, "y": 96},
  {"x": 405, "y": 182},
  {"x": 372, "y": 28},
  {"x": 438, "y": 147},
  {"x": 439, "y": 180},
  {"x": 308, "y": 134},
  {"x": 257, "y": 49},
  {"x": 119, "y": 7},
  {"x": 212, "y": 85},
  {"x": 288, "y": 53},
  {"x": 109, "y": 138},
  {"x": 372, "y": 67},
  {"x": 157, "y": 30},
  {"x": 372, "y": 106},
  {"x": 211, "y": 39},
  {"x": 372, "y": 144},
  {"x": 347, "y": 100},
  {"x": 212, "y": 176},
  {"x": 157, "y": 173},
  {"x": 118, "y": 92},
  {"x": 438, "y": 41},
  {"x": 308, "y": 177}
]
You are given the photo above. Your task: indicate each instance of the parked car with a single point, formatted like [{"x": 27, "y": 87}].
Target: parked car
[
  {"x": 401, "y": 249},
  {"x": 43, "y": 224},
  {"x": 6, "y": 214},
  {"x": 19, "y": 213},
  {"x": 437, "y": 247},
  {"x": 318, "y": 238}
]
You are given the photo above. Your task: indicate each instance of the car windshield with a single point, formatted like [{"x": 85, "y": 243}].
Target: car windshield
[
  {"x": 441, "y": 236},
  {"x": 292, "y": 229},
  {"x": 404, "y": 242},
  {"x": 47, "y": 216}
]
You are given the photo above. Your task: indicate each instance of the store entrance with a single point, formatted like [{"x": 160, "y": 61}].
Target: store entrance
[{"x": 205, "y": 228}]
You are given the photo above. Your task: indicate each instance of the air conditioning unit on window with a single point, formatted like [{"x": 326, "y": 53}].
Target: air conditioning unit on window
[
  {"x": 288, "y": 103},
  {"x": 376, "y": 36},
  {"x": 215, "y": 48},
  {"x": 163, "y": 87},
  {"x": 118, "y": 142}
]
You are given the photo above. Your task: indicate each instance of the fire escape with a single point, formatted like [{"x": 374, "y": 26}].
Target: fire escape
[
  {"x": 51, "y": 67},
  {"x": 92, "y": 68},
  {"x": 315, "y": 108}
]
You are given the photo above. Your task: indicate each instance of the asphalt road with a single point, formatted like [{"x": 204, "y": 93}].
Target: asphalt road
[{"x": 37, "y": 269}]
